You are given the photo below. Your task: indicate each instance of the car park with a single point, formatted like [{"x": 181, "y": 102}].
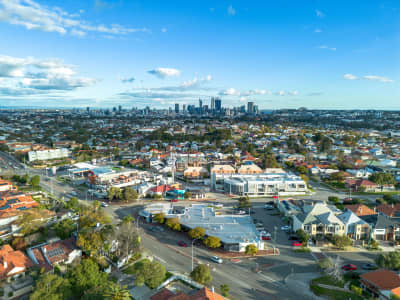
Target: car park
[
  {"x": 216, "y": 259},
  {"x": 349, "y": 267}
]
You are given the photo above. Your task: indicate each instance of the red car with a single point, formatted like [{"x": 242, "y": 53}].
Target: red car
[
  {"x": 265, "y": 238},
  {"x": 174, "y": 200},
  {"x": 349, "y": 267},
  {"x": 182, "y": 244},
  {"x": 296, "y": 244}
]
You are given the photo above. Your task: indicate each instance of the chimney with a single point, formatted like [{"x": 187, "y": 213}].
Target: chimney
[
  {"x": 212, "y": 289},
  {"x": 5, "y": 264}
]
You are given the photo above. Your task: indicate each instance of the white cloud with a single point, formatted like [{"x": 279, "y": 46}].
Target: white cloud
[
  {"x": 350, "y": 77},
  {"x": 319, "y": 13},
  {"x": 30, "y": 74},
  {"x": 163, "y": 30},
  {"x": 33, "y": 16},
  {"x": 164, "y": 72},
  {"x": 326, "y": 47},
  {"x": 231, "y": 10},
  {"x": 256, "y": 92},
  {"x": 377, "y": 78},
  {"x": 229, "y": 92},
  {"x": 368, "y": 77},
  {"x": 318, "y": 30}
]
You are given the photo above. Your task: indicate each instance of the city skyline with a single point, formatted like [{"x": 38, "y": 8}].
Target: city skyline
[{"x": 137, "y": 54}]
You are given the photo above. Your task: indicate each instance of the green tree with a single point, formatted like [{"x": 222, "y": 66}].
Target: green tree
[
  {"x": 160, "y": 218},
  {"x": 389, "y": 260},
  {"x": 197, "y": 233},
  {"x": 51, "y": 286},
  {"x": 303, "y": 236},
  {"x": 87, "y": 276},
  {"x": 148, "y": 272},
  {"x": 373, "y": 244},
  {"x": 341, "y": 241},
  {"x": 333, "y": 199},
  {"x": 251, "y": 249},
  {"x": 35, "y": 181},
  {"x": 244, "y": 202},
  {"x": 129, "y": 194},
  {"x": 91, "y": 242},
  {"x": 114, "y": 193},
  {"x": 173, "y": 223},
  {"x": 302, "y": 170},
  {"x": 64, "y": 228},
  {"x": 381, "y": 178},
  {"x": 72, "y": 203},
  {"x": 201, "y": 274},
  {"x": 212, "y": 242},
  {"x": 116, "y": 292},
  {"x": 188, "y": 195},
  {"x": 225, "y": 290}
]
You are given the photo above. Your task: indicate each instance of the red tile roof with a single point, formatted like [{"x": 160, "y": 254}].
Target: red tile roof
[
  {"x": 388, "y": 209},
  {"x": 382, "y": 279},
  {"x": 360, "y": 210},
  {"x": 10, "y": 259}
]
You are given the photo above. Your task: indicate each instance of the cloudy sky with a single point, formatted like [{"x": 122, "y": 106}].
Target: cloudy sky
[{"x": 279, "y": 54}]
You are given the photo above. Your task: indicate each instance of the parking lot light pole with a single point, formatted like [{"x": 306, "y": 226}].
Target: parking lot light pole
[{"x": 192, "y": 252}]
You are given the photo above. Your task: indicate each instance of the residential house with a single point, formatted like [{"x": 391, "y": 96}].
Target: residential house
[
  {"x": 5, "y": 185},
  {"x": 361, "y": 210},
  {"x": 195, "y": 172},
  {"x": 318, "y": 221},
  {"x": 250, "y": 168},
  {"x": 13, "y": 263},
  {"x": 381, "y": 283},
  {"x": 50, "y": 254},
  {"x": 355, "y": 228},
  {"x": 362, "y": 185},
  {"x": 202, "y": 294}
]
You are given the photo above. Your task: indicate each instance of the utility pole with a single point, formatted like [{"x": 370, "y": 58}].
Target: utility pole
[
  {"x": 275, "y": 228},
  {"x": 192, "y": 252}
]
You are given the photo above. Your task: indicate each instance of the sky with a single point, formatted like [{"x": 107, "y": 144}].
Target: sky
[{"x": 280, "y": 54}]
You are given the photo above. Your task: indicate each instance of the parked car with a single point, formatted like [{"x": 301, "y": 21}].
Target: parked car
[
  {"x": 369, "y": 267},
  {"x": 241, "y": 212},
  {"x": 103, "y": 204},
  {"x": 349, "y": 267},
  {"x": 285, "y": 228},
  {"x": 216, "y": 259},
  {"x": 268, "y": 207},
  {"x": 174, "y": 200},
  {"x": 218, "y": 205},
  {"x": 259, "y": 224},
  {"x": 296, "y": 244},
  {"x": 270, "y": 202},
  {"x": 265, "y": 237},
  {"x": 182, "y": 244}
]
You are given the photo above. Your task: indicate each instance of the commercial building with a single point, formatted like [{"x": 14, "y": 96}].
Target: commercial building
[
  {"x": 266, "y": 184},
  {"x": 49, "y": 154}
]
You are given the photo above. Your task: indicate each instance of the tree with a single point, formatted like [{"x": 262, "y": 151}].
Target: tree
[
  {"x": 114, "y": 193},
  {"x": 116, "y": 292},
  {"x": 87, "y": 276},
  {"x": 373, "y": 244},
  {"x": 201, "y": 274},
  {"x": 381, "y": 178},
  {"x": 389, "y": 260},
  {"x": 31, "y": 221},
  {"x": 333, "y": 199},
  {"x": 129, "y": 194},
  {"x": 188, "y": 195},
  {"x": 225, "y": 290},
  {"x": 302, "y": 170},
  {"x": 173, "y": 223},
  {"x": 212, "y": 242},
  {"x": 73, "y": 204},
  {"x": 303, "y": 236},
  {"x": 197, "y": 233},
  {"x": 51, "y": 286},
  {"x": 64, "y": 228},
  {"x": 160, "y": 218},
  {"x": 341, "y": 241},
  {"x": 244, "y": 202},
  {"x": 148, "y": 272},
  {"x": 35, "y": 181},
  {"x": 91, "y": 242},
  {"x": 127, "y": 237},
  {"x": 251, "y": 249}
]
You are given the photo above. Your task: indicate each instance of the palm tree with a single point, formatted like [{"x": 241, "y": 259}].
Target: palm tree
[{"x": 117, "y": 292}]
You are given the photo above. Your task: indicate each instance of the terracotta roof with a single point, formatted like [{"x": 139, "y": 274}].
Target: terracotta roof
[
  {"x": 202, "y": 294},
  {"x": 360, "y": 210},
  {"x": 207, "y": 294},
  {"x": 161, "y": 188},
  {"x": 10, "y": 259},
  {"x": 382, "y": 279},
  {"x": 388, "y": 209}
]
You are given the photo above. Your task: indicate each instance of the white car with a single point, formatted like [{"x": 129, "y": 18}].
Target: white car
[
  {"x": 216, "y": 259},
  {"x": 268, "y": 207},
  {"x": 219, "y": 205},
  {"x": 103, "y": 204},
  {"x": 285, "y": 228}
]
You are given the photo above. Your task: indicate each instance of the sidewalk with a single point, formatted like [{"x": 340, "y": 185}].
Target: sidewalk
[{"x": 299, "y": 283}]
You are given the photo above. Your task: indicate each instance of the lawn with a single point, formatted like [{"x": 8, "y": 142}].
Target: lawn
[
  {"x": 328, "y": 280},
  {"x": 334, "y": 295}
]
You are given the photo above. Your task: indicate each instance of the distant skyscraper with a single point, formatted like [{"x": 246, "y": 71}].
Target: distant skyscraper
[
  {"x": 114, "y": 109},
  {"x": 250, "y": 107},
  {"x": 200, "y": 103},
  {"x": 218, "y": 104},
  {"x": 212, "y": 103},
  {"x": 119, "y": 107},
  {"x": 88, "y": 109},
  {"x": 184, "y": 107},
  {"x": 177, "y": 108}
]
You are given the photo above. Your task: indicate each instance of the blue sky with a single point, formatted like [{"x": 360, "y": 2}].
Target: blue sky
[{"x": 279, "y": 54}]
